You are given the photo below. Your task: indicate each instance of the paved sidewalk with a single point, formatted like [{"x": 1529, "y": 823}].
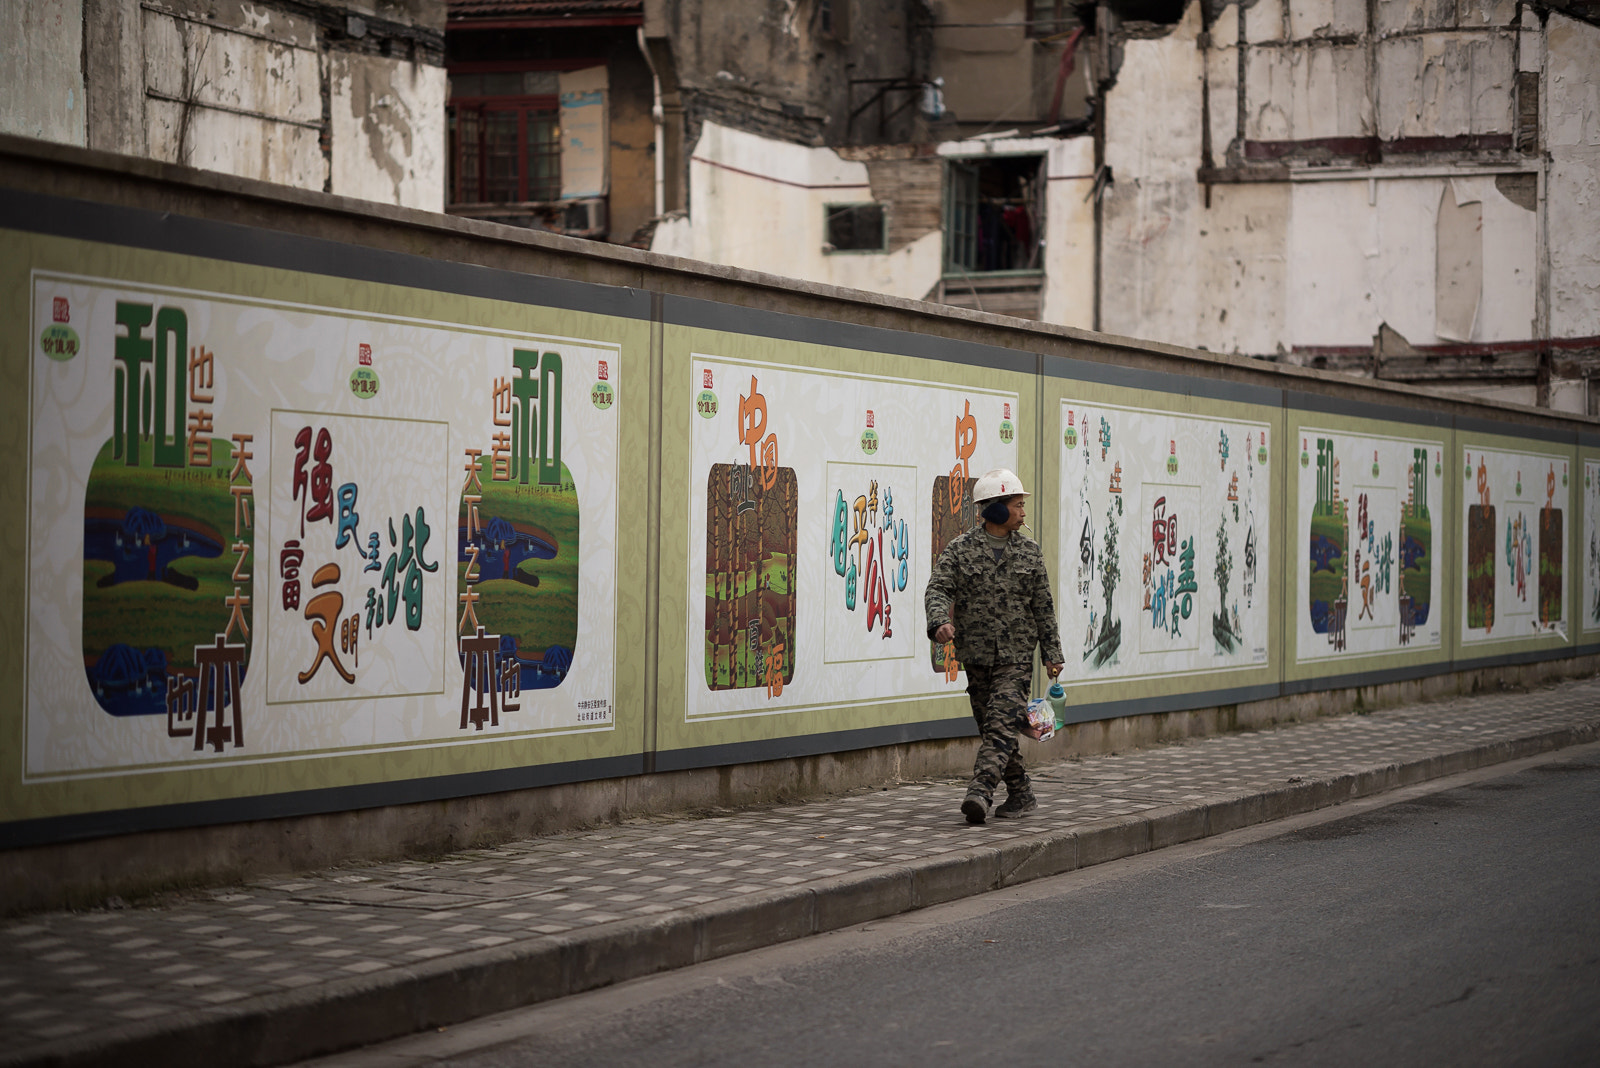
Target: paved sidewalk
[{"x": 286, "y": 968}]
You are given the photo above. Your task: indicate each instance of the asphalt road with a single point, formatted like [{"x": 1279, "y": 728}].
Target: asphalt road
[{"x": 1455, "y": 924}]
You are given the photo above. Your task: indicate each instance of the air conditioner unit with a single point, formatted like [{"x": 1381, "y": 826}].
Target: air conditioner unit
[{"x": 585, "y": 217}]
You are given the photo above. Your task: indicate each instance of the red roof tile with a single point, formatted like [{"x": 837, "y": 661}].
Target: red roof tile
[{"x": 543, "y": 9}]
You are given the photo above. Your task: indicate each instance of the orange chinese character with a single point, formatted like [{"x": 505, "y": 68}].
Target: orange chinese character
[
  {"x": 501, "y": 405},
  {"x": 966, "y": 439},
  {"x": 200, "y": 447},
  {"x": 349, "y": 633},
  {"x": 769, "y": 462},
  {"x": 237, "y": 604},
  {"x": 242, "y": 496},
  {"x": 500, "y": 457},
  {"x": 202, "y": 375},
  {"x": 323, "y": 610},
  {"x": 241, "y": 454},
  {"x": 469, "y": 598},
  {"x": 753, "y": 420},
  {"x": 774, "y": 678}
]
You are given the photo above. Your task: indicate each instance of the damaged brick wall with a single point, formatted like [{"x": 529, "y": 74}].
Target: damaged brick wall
[
  {"x": 796, "y": 70},
  {"x": 909, "y": 181}
]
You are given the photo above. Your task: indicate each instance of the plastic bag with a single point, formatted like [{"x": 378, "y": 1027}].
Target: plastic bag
[{"x": 1041, "y": 720}]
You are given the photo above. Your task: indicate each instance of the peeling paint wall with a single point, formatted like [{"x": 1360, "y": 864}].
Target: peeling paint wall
[
  {"x": 1362, "y": 254},
  {"x": 388, "y": 130},
  {"x": 245, "y": 101},
  {"x": 41, "y": 82},
  {"x": 1572, "y": 103},
  {"x": 1299, "y": 177},
  {"x": 344, "y": 97},
  {"x": 1152, "y": 248}
]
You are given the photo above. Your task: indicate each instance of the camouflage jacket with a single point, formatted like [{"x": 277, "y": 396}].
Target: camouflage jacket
[{"x": 1001, "y": 609}]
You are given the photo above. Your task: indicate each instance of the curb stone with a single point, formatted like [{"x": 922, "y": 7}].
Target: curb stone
[{"x": 346, "y": 1013}]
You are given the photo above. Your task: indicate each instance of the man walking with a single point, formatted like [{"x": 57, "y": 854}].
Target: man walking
[{"x": 990, "y": 593}]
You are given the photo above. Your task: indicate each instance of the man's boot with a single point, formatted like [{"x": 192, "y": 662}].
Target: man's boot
[
  {"x": 975, "y": 807},
  {"x": 1016, "y": 806}
]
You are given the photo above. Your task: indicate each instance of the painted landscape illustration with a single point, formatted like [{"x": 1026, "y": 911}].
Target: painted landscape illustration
[
  {"x": 1416, "y": 548},
  {"x": 1480, "y": 561},
  {"x": 158, "y": 576},
  {"x": 1347, "y": 534},
  {"x": 953, "y": 514},
  {"x": 1550, "y": 562},
  {"x": 1329, "y": 550},
  {"x": 526, "y": 571},
  {"x": 751, "y": 532}
]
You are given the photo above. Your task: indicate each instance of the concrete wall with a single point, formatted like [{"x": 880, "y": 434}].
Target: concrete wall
[
  {"x": 41, "y": 81},
  {"x": 633, "y": 149},
  {"x": 776, "y": 69},
  {"x": 1572, "y": 187},
  {"x": 347, "y": 98},
  {"x": 669, "y": 745},
  {"x": 1154, "y": 254},
  {"x": 1295, "y": 178},
  {"x": 997, "y": 77},
  {"x": 244, "y": 100}
]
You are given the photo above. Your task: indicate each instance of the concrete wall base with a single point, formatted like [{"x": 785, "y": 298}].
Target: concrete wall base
[{"x": 105, "y": 871}]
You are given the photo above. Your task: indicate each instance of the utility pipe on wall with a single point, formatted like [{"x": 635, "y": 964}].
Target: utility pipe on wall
[{"x": 659, "y": 118}]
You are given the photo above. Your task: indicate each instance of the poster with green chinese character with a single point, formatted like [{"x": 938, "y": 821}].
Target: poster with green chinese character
[{"x": 261, "y": 529}]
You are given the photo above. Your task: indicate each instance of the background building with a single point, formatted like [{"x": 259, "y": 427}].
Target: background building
[
  {"x": 1399, "y": 188},
  {"x": 345, "y": 98}
]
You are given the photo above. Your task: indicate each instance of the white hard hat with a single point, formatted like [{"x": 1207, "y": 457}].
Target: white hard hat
[{"x": 1001, "y": 482}]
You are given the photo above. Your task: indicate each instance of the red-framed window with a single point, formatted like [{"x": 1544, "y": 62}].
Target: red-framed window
[{"x": 505, "y": 134}]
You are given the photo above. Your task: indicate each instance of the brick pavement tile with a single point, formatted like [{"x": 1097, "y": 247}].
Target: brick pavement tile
[{"x": 294, "y": 932}]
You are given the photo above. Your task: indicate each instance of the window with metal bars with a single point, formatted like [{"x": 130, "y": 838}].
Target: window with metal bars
[
  {"x": 1049, "y": 17},
  {"x": 505, "y": 138}
]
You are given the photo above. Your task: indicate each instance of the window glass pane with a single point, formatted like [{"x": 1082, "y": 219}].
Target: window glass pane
[
  {"x": 469, "y": 137},
  {"x": 466, "y": 85},
  {"x": 502, "y": 84},
  {"x": 544, "y": 155},
  {"x": 961, "y": 226},
  {"x": 541, "y": 83},
  {"x": 500, "y": 156},
  {"x": 1044, "y": 17},
  {"x": 855, "y": 226}
]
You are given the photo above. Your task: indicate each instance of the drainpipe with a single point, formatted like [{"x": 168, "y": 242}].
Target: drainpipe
[{"x": 659, "y": 118}]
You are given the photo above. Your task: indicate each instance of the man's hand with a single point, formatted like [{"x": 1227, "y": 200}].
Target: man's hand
[
  {"x": 945, "y": 633},
  {"x": 1053, "y": 669}
]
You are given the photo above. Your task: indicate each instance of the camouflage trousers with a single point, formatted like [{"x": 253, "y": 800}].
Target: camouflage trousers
[{"x": 999, "y": 696}]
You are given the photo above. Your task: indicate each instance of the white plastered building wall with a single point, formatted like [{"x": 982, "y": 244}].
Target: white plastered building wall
[
  {"x": 760, "y": 204},
  {"x": 388, "y": 130},
  {"x": 1444, "y": 253},
  {"x": 1069, "y": 246}
]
